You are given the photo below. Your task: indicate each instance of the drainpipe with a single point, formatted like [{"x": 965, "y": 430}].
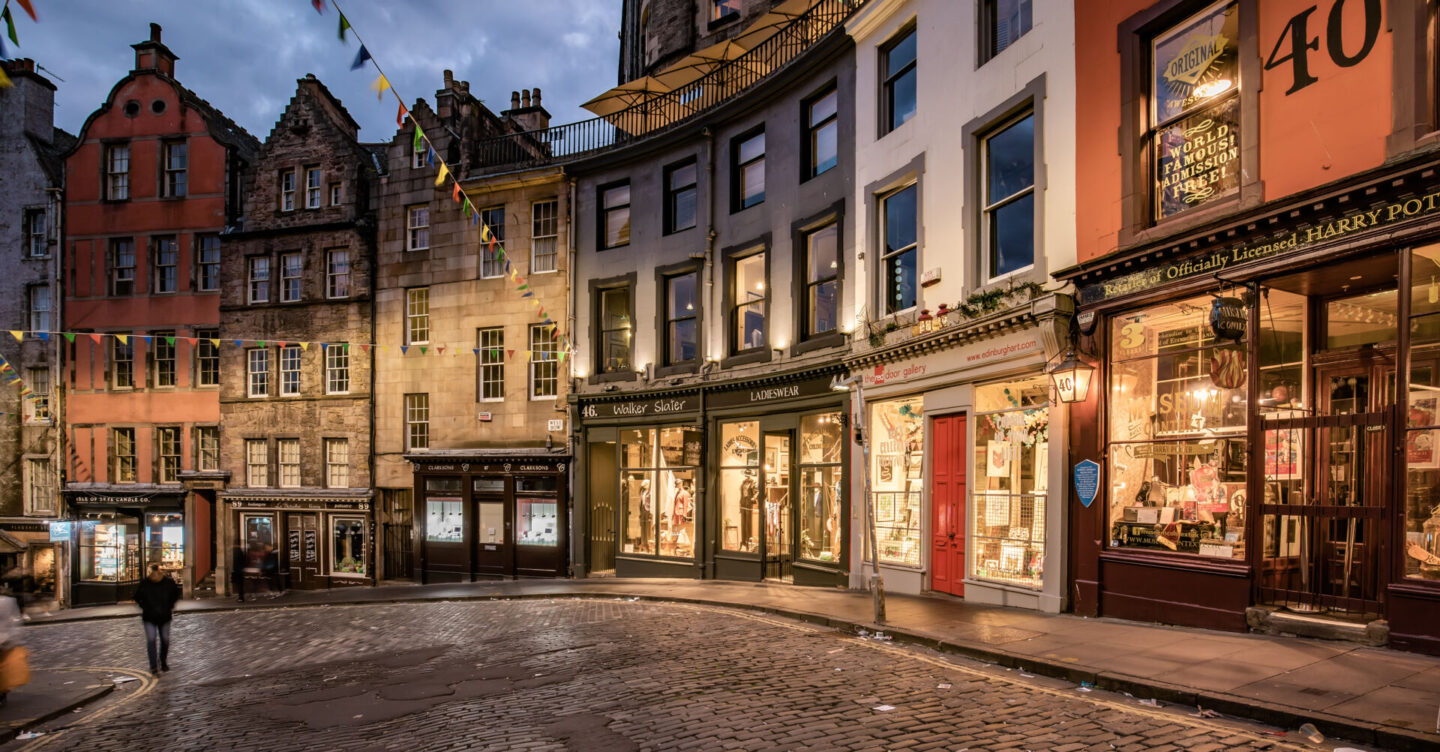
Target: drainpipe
[
  {"x": 705, "y": 338},
  {"x": 578, "y": 564},
  {"x": 57, "y": 390}
]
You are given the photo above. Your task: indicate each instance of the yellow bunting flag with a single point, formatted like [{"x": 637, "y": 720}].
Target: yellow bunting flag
[
  {"x": 5, "y": 82},
  {"x": 215, "y": 341},
  {"x": 305, "y": 346},
  {"x": 440, "y": 178},
  {"x": 380, "y": 85},
  {"x": 17, "y": 334},
  {"x": 124, "y": 338}
]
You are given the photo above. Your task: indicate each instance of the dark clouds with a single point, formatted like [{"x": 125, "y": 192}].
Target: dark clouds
[{"x": 245, "y": 55}]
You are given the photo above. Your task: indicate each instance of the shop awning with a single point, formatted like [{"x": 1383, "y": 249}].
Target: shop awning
[{"x": 9, "y": 544}]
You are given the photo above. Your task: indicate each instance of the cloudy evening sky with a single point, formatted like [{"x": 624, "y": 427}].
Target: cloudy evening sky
[{"x": 245, "y": 55}]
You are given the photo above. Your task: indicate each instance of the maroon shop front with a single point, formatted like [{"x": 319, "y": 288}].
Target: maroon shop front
[{"x": 1266, "y": 416}]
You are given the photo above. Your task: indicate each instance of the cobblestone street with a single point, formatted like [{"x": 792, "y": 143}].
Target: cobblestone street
[{"x": 575, "y": 674}]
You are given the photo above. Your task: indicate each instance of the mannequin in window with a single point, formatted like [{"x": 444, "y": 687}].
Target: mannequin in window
[
  {"x": 647, "y": 515},
  {"x": 749, "y": 505}
]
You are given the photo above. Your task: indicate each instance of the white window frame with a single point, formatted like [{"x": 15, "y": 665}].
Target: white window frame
[
  {"x": 417, "y": 321},
  {"x": 122, "y": 273},
  {"x": 544, "y": 363},
  {"x": 40, "y": 307},
  {"x": 116, "y": 349},
  {"x": 490, "y": 363},
  {"x": 337, "y": 463},
  {"x": 37, "y": 410},
  {"x": 207, "y": 448},
  {"x": 288, "y": 275},
  {"x": 290, "y": 371},
  {"x": 206, "y": 352},
  {"x": 158, "y": 342},
  {"x": 417, "y": 228},
  {"x": 417, "y": 421},
  {"x": 494, "y": 218},
  {"x": 336, "y": 193},
  {"x": 167, "y": 275},
  {"x": 208, "y": 260},
  {"x": 117, "y": 460},
  {"x": 313, "y": 181},
  {"x": 337, "y": 369},
  {"x": 117, "y": 172},
  {"x": 417, "y": 157},
  {"x": 257, "y": 463},
  {"x": 176, "y": 177},
  {"x": 287, "y": 463},
  {"x": 881, "y": 276},
  {"x": 34, "y": 233},
  {"x": 258, "y": 283},
  {"x": 545, "y": 234},
  {"x": 257, "y": 372},
  {"x": 989, "y": 207},
  {"x": 287, "y": 190},
  {"x": 163, "y": 469},
  {"x": 40, "y": 487},
  {"x": 333, "y": 278}
]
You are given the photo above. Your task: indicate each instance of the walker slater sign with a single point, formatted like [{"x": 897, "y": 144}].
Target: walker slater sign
[
  {"x": 1360, "y": 220},
  {"x": 645, "y": 408}
]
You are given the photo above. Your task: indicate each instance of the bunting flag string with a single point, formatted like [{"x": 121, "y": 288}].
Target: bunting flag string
[
  {"x": 9, "y": 18},
  {"x": 492, "y": 245},
  {"x": 127, "y": 338}
]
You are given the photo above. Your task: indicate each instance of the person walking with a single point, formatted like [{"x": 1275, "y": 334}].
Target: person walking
[
  {"x": 239, "y": 560},
  {"x": 14, "y": 669},
  {"x": 156, "y": 595}
]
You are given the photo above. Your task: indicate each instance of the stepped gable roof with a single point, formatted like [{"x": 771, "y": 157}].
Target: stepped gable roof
[{"x": 51, "y": 153}]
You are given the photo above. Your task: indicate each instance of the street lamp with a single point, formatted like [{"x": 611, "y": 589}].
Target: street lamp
[
  {"x": 862, "y": 437},
  {"x": 1071, "y": 377}
]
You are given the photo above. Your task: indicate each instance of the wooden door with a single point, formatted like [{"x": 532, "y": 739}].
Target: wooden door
[
  {"x": 947, "y": 531},
  {"x": 302, "y": 543}
]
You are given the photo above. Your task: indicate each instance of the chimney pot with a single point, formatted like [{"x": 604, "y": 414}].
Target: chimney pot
[
  {"x": 514, "y": 100},
  {"x": 535, "y": 96},
  {"x": 524, "y": 97},
  {"x": 449, "y": 77},
  {"x": 154, "y": 32}
]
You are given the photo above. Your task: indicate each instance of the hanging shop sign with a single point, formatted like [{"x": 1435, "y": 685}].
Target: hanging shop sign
[
  {"x": 1229, "y": 318},
  {"x": 1227, "y": 367},
  {"x": 641, "y": 408},
  {"x": 59, "y": 531}
]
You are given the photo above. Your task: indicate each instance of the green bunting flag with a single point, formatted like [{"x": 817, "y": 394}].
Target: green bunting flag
[
  {"x": 344, "y": 24},
  {"x": 10, "y": 26}
]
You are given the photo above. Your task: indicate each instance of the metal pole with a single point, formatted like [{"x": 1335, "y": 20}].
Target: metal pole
[{"x": 877, "y": 583}]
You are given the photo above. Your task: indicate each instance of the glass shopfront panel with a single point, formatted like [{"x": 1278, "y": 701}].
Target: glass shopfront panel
[
  {"x": 109, "y": 549},
  {"x": 1012, "y": 450},
  {"x": 897, "y": 431},
  {"x": 538, "y": 522},
  {"x": 1177, "y": 433},
  {"x": 822, "y": 444},
  {"x": 259, "y": 530},
  {"x": 444, "y": 510},
  {"x": 740, "y": 486},
  {"x": 348, "y": 551},
  {"x": 165, "y": 541},
  {"x": 1422, "y": 421},
  {"x": 657, "y": 491}
]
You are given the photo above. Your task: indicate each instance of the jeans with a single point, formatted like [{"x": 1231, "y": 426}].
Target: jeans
[{"x": 157, "y": 638}]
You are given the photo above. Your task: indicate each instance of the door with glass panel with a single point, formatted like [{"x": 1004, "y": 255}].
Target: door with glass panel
[
  {"x": 494, "y": 544},
  {"x": 302, "y": 549},
  {"x": 777, "y": 547}
]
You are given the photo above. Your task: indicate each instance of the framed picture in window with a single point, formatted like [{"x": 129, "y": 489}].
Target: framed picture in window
[{"x": 1421, "y": 450}]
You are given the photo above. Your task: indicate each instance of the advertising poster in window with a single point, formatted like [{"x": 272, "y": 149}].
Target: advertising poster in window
[{"x": 1421, "y": 453}]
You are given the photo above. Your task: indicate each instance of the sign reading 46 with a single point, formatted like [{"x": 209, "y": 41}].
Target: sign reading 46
[{"x": 1296, "y": 42}]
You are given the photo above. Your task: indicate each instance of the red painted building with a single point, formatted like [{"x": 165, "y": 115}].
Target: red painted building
[
  {"x": 1257, "y": 280},
  {"x": 154, "y": 180}
]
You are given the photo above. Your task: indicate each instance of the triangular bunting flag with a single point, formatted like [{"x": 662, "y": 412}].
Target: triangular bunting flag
[
  {"x": 10, "y": 25},
  {"x": 4, "y": 80},
  {"x": 400, "y": 116},
  {"x": 365, "y": 349},
  {"x": 18, "y": 335},
  {"x": 477, "y": 350},
  {"x": 193, "y": 341},
  {"x": 440, "y": 176},
  {"x": 124, "y": 338},
  {"x": 562, "y": 356},
  {"x": 440, "y": 349},
  {"x": 319, "y": 6},
  {"x": 404, "y": 349},
  {"x": 509, "y": 353},
  {"x": 484, "y": 233},
  {"x": 381, "y": 83},
  {"x": 418, "y": 135},
  {"x": 304, "y": 346},
  {"x": 345, "y": 346},
  {"x": 424, "y": 349},
  {"x": 96, "y": 337},
  {"x": 69, "y": 337},
  {"x": 455, "y": 194},
  {"x": 528, "y": 294},
  {"x": 430, "y": 156},
  {"x": 147, "y": 338},
  {"x": 344, "y": 24},
  {"x": 28, "y": 8},
  {"x": 466, "y": 207},
  {"x": 239, "y": 343},
  {"x": 170, "y": 341},
  {"x": 216, "y": 342},
  {"x": 324, "y": 347}
]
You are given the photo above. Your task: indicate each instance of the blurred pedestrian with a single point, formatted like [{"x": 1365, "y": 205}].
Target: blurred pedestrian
[
  {"x": 14, "y": 670},
  {"x": 270, "y": 567},
  {"x": 156, "y": 595},
  {"x": 238, "y": 562}
]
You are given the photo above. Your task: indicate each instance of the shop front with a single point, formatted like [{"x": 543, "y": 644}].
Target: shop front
[
  {"x": 1263, "y": 415},
  {"x": 961, "y": 461},
  {"x": 491, "y": 514},
  {"x": 118, "y": 535},
  {"x": 34, "y": 566},
  {"x": 303, "y": 540}
]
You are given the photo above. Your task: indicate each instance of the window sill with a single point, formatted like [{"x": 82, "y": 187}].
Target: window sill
[
  {"x": 533, "y": 273},
  {"x": 678, "y": 230},
  {"x": 417, "y": 250},
  {"x": 722, "y": 21},
  {"x": 613, "y": 247},
  {"x": 1184, "y": 221},
  {"x": 761, "y": 355},
  {"x": 608, "y": 377},
  {"x": 738, "y": 209},
  {"x": 1179, "y": 561},
  {"x": 688, "y": 368},
  {"x": 818, "y": 342}
]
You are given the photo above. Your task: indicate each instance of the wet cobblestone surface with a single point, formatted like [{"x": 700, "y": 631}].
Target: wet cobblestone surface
[{"x": 575, "y": 675}]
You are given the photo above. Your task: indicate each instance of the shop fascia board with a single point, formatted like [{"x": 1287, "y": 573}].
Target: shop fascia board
[
  {"x": 1049, "y": 313},
  {"x": 829, "y": 367}
]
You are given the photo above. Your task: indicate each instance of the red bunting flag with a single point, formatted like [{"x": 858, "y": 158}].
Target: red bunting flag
[
  {"x": 455, "y": 194},
  {"x": 29, "y": 9},
  {"x": 319, "y": 5},
  {"x": 97, "y": 338},
  {"x": 400, "y": 116}
]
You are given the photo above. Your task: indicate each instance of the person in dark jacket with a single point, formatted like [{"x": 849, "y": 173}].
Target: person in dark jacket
[
  {"x": 239, "y": 560},
  {"x": 156, "y": 595}
]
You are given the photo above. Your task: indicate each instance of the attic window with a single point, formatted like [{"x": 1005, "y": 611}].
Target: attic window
[
  {"x": 132, "y": 108},
  {"x": 157, "y": 106}
]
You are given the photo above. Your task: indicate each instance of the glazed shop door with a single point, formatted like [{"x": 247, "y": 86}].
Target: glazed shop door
[
  {"x": 494, "y": 544},
  {"x": 777, "y": 547},
  {"x": 947, "y": 531},
  {"x": 302, "y": 546}
]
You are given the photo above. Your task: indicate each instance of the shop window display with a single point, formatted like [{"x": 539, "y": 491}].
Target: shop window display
[
  {"x": 1177, "y": 433},
  {"x": 259, "y": 530},
  {"x": 1422, "y": 420},
  {"x": 740, "y": 486},
  {"x": 109, "y": 550},
  {"x": 347, "y": 546},
  {"x": 822, "y": 444},
  {"x": 165, "y": 541},
  {"x": 657, "y": 487},
  {"x": 444, "y": 510},
  {"x": 897, "y": 453},
  {"x": 538, "y": 524},
  {"x": 1010, "y": 480}
]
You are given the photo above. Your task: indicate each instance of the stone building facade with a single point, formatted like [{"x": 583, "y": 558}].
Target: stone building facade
[
  {"x": 656, "y": 33},
  {"x": 467, "y": 376},
  {"x": 295, "y": 392},
  {"x": 30, "y": 212}
]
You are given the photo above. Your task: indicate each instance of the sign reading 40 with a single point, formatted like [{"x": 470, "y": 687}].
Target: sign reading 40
[{"x": 1297, "y": 43}]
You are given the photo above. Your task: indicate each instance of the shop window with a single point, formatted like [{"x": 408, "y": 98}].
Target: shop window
[
  {"x": 1194, "y": 117},
  {"x": 492, "y": 364},
  {"x": 822, "y": 447},
  {"x": 1009, "y": 206},
  {"x": 544, "y": 236},
  {"x": 163, "y": 352},
  {"x": 259, "y": 531},
  {"x": 291, "y": 268},
  {"x": 122, "y": 266},
  {"x": 657, "y": 490},
  {"x": 417, "y": 421},
  {"x": 681, "y": 318},
  {"x": 337, "y": 463},
  {"x": 207, "y": 448},
  {"x": 337, "y": 368},
  {"x": 1422, "y": 421},
  {"x": 207, "y": 357},
  {"x": 534, "y": 485},
  {"x": 312, "y": 187},
  {"x": 1010, "y": 481},
  {"x": 444, "y": 511},
  {"x": 897, "y": 432},
  {"x": 165, "y": 541},
  {"x": 257, "y": 463},
  {"x": 680, "y": 180},
  {"x": 122, "y": 362},
  {"x": 1366, "y": 319},
  {"x": 614, "y": 216},
  {"x": 40, "y": 487},
  {"x": 747, "y": 171},
  {"x": 209, "y": 261},
  {"x": 417, "y": 223},
  {"x": 491, "y": 266},
  {"x": 117, "y": 172},
  {"x": 288, "y": 456},
  {"x": 287, "y": 190},
  {"x": 615, "y": 330},
  {"x": 289, "y": 370},
  {"x": 822, "y": 126},
  {"x": 417, "y": 316},
  {"x": 109, "y": 550},
  {"x": 348, "y": 550},
  {"x": 167, "y": 264},
  {"x": 1177, "y": 434},
  {"x": 898, "y": 100},
  {"x": 900, "y": 257},
  {"x": 822, "y": 282},
  {"x": 537, "y": 522},
  {"x": 544, "y": 362},
  {"x": 259, "y": 279},
  {"x": 257, "y": 373},
  {"x": 1002, "y": 22},
  {"x": 167, "y": 445},
  {"x": 37, "y": 407},
  {"x": 740, "y": 486},
  {"x": 176, "y": 164},
  {"x": 337, "y": 273},
  {"x": 750, "y": 298}
]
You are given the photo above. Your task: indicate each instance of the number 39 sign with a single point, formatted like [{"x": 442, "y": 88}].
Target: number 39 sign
[{"x": 1296, "y": 41}]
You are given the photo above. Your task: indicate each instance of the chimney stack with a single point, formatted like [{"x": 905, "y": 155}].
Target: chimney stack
[
  {"x": 155, "y": 33},
  {"x": 514, "y": 100},
  {"x": 525, "y": 110},
  {"x": 152, "y": 54},
  {"x": 535, "y": 100},
  {"x": 525, "y": 99}
]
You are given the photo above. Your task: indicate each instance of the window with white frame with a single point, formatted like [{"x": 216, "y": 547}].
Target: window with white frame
[
  {"x": 37, "y": 408},
  {"x": 209, "y": 260},
  {"x": 287, "y": 190},
  {"x": 417, "y": 421},
  {"x": 337, "y": 273},
  {"x": 257, "y": 464},
  {"x": 176, "y": 164},
  {"x": 615, "y": 215},
  {"x": 492, "y": 364},
  {"x": 122, "y": 363},
  {"x": 417, "y": 156},
  {"x": 291, "y": 267},
  {"x": 417, "y": 316},
  {"x": 122, "y": 455},
  {"x": 40, "y": 487},
  {"x": 490, "y": 264},
  {"x": 40, "y": 308},
  {"x": 335, "y": 194},
  {"x": 167, "y": 452},
  {"x": 417, "y": 223},
  {"x": 337, "y": 369},
  {"x": 117, "y": 172},
  {"x": 337, "y": 463},
  {"x": 1009, "y": 186},
  {"x": 287, "y": 454},
  {"x": 289, "y": 370},
  {"x": 207, "y": 357},
  {"x": 122, "y": 266},
  {"x": 544, "y": 236},
  {"x": 33, "y": 230},
  {"x": 899, "y": 88},
  {"x": 900, "y": 256},
  {"x": 312, "y": 187},
  {"x": 544, "y": 362},
  {"x": 167, "y": 264},
  {"x": 207, "y": 447},
  {"x": 163, "y": 352},
  {"x": 259, "y": 279},
  {"x": 257, "y": 372}
]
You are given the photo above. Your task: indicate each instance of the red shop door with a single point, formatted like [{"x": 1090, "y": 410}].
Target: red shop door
[{"x": 947, "y": 555}]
